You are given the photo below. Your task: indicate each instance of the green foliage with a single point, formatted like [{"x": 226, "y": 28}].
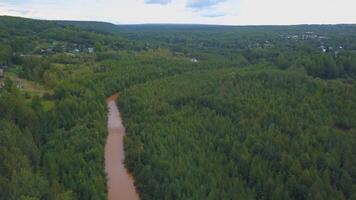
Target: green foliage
[
  {"x": 5, "y": 54},
  {"x": 18, "y": 153},
  {"x": 33, "y": 68},
  {"x": 264, "y": 134},
  {"x": 262, "y": 114}
]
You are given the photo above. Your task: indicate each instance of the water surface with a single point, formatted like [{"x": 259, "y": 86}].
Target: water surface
[{"x": 120, "y": 182}]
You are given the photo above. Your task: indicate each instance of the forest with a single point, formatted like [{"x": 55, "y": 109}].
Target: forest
[{"x": 211, "y": 112}]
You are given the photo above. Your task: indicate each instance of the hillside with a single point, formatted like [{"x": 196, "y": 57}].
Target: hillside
[{"x": 211, "y": 112}]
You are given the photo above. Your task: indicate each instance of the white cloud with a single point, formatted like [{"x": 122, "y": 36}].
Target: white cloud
[
  {"x": 212, "y": 13},
  {"x": 296, "y": 11},
  {"x": 200, "y": 4},
  {"x": 207, "y": 8},
  {"x": 187, "y": 11},
  {"x": 162, "y": 2}
]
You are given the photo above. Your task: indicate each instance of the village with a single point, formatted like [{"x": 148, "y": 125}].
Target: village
[
  {"x": 44, "y": 50},
  {"x": 73, "y": 48},
  {"x": 57, "y": 47},
  {"x": 309, "y": 35}
]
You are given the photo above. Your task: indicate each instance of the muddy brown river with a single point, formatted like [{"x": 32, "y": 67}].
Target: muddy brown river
[{"x": 120, "y": 182}]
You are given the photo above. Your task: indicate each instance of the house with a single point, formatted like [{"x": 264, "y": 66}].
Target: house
[
  {"x": 323, "y": 49},
  {"x": 194, "y": 60},
  {"x": 2, "y": 73},
  {"x": 90, "y": 49}
]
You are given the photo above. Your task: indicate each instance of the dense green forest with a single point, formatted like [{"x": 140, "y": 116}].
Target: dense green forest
[{"x": 211, "y": 112}]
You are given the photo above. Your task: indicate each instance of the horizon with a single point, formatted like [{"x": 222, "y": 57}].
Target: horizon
[
  {"x": 183, "y": 24},
  {"x": 204, "y": 12}
]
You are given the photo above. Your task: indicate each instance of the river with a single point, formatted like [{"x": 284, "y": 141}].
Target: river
[{"x": 120, "y": 182}]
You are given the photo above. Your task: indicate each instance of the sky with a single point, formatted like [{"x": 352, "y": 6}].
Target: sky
[{"x": 227, "y": 12}]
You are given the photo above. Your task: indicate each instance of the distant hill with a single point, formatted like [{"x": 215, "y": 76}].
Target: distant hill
[
  {"x": 113, "y": 28},
  {"x": 106, "y": 27},
  {"x": 92, "y": 26}
]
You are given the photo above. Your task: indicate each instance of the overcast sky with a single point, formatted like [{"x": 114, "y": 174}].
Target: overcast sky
[{"x": 234, "y": 12}]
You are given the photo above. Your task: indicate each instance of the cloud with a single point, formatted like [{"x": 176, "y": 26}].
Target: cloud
[
  {"x": 242, "y": 12},
  {"x": 206, "y": 8},
  {"x": 202, "y": 4},
  {"x": 20, "y": 2},
  {"x": 9, "y": 9},
  {"x": 18, "y": 11},
  {"x": 162, "y": 2},
  {"x": 212, "y": 13}
]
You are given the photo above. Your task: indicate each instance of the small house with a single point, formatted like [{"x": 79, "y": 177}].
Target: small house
[
  {"x": 194, "y": 60},
  {"x": 1, "y": 73},
  {"x": 90, "y": 50}
]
